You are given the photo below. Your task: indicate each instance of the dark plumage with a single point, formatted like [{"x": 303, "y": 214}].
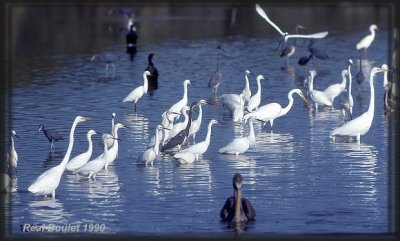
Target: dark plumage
[
  {"x": 304, "y": 60},
  {"x": 131, "y": 39},
  {"x": 360, "y": 75},
  {"x": 236, "y": 208},
  {"x": 153, "y": 78},
  {"x": 51, "y": 135},
  {"x": 215, "y": 79},
  {"x": 316, "y": 53}
]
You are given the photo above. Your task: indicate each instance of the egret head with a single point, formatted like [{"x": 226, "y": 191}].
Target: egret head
[
  {"x": 260, "y": 77},
  {"x": 187, "y": 82},
  {"x": 82, "y": 118},
  {"x": 113, "y": 115},
  {"x": 350, "y": 61},
  {"x": 147, "y": 72},
  {"x": 373, "y": 27},
  {"x": 119, "y": 125},
  {"x": 247, "y": 72},
  {"x": 13, "y": 133},
  {"x": 91, "y": 132},
  {"x": 300, "y": 93},
  {"x": 202, "y": 102}
]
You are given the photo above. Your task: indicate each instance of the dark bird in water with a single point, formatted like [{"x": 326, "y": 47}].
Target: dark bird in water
[
  {"x": 215, "y": 79},
  {"x": 290, "y": 48},
  {"x": 153, "y": 78},
  {"x": 314, "y": 53},
  {"x": 52, "y": 135},
  {"x": 360, "y": 75},
  {"x": 304, "y": 60},
  {"x": 131, "y": 39},
  {"x": 236, "y": 208}
]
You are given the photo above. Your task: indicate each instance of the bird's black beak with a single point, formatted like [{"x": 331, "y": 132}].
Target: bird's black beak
[{"x": 17, "y": 136}]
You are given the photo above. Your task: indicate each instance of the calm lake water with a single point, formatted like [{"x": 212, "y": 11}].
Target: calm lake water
[{"x": 297, "y": 179}]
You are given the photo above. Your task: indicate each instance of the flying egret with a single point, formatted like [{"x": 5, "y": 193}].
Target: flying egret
[
  {"x": 196, "y": 124},
  {"x": 246, "y": 91},
  {"x": 149, "y": 155},
  {"x": 51, "y": 135},
  {"x": 360, "y": 125},
  {"x": 177, "y": 127},
  {"x": 270, "y": 112},
  {"x": 240, "y": 145},
  {"x": 153, "y": 78},
  {"x": 177, "y": 107},
  {"x": 347, "y": 102},
  {"x": 334, "y": 90},
  {"x": 110, "y": 141},
  {"x": 286, "y": 35},
  {"x": 289, "y": 49},
  {"x": 138, "y": 92},
  {"x": 82, "y": 158},
  {"x": 12, "y": 157},
  {"x": 92, "y": 167},
  {"x": 317, "y": 96},
  {"x": 255, "y": 100},
  {"x": 113, "y": 151},
  {"x": 215, "y": 79},
  {"x": 367, "y": 40},
  {"x": 200, "y": 148},
  {"x": 237, "y": 209},
  {"x": 47, "y": 183}
]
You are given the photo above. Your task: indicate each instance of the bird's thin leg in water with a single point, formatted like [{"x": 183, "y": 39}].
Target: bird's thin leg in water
[
  {"x": 106, "y": 70},
  {"x": 113, "y": 65}
]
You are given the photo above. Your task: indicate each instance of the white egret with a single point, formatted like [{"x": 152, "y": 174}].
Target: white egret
[
  {"x": 317, "y": 96},
  {"x": 240, "y": 145},
  {"x": 185, "y": 157},
  {"x": 270, "y": 112},
  {"x": 237, "y": 209},
  {"x": 360, "y": 125},
  {"x": 12, "y": 157},
  {"x": 286, "y": 35},
  {"x": 196, "y": 124},
  {"x": 168, "y": 124},
  {"x": 238, "y": 113},
  {"x": 48, "y": 182},
  {"x": 347, "y": 102},
  {"x": 113, "y": 151},
  {"x": 334, "y": 90},
  {"x": 177, "y": 107},
  {"x": 92, "y": 167},
  {"x": 235, "y": 105},
  {"x": 201, "y": 147},
  {"x": 246, "y": 91},
  {"x": 138, "y": 92},
  {"x": 82, "y": 158},
  {"x": 149, "y": 155},
  {"x": 289, "y": 49},
  {"x": 110, "y": 141},
  {"x": 367, "y": 40},
  {"x": 177, "y": 127},
  {"x": 255, "y": 100}
]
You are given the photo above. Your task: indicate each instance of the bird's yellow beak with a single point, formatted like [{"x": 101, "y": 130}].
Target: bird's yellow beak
[
  {"x": 384, "y": 69},
  {"x": 87, "y": 118},
  {"x": 304, "y": 99}
]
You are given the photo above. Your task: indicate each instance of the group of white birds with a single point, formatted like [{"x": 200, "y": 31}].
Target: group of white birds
[{"x": 171, "y": 134}]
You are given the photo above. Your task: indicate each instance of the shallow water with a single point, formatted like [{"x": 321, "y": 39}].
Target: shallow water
[{"x": 297, "y": 179}]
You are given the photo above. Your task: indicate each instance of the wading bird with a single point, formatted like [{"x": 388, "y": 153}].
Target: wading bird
[
  {"x": 333, "y": 91},
  {"x": 12, "y": 157},
  {"x": 255, "y": 100},
  {"x": 215, "y": 79},
  {"x": 347, "y": 101},
  {"x": 317, "y": 96},
  {"x": 51, "y": 135},
  {"x": 177, "y": 107},
  {"x": 240, "y": 145},
  {"x": 367, "y": 40},
  {"x": 138, "y": 92},
  {"x": 196, "y": 124},
  {"x": 153, "y": 77},
  {"x": 82, "y": 158}
]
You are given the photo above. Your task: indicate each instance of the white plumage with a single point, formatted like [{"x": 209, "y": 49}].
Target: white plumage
[
  {"x": 138, "y": 92},
  {"x": 255, "y": 100},
  {"x": 240, "y": 145},
  {"x": 333, "y": 91},
  {"x": 82, "y": 158},
  {"x": 317, "y": 96},
  {"x": 367, "y": 40}
]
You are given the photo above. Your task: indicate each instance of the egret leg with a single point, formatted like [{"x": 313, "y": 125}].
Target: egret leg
[
  {"x": 271, "y": 122},
  {"x": 94, "y": 176},
  {"x": 106, "y": 166},
  {"x": 106, "y": 70},
  {"x": 135, "y": 106},
  {"x": 358, "y": 138},
  {"x": 113, "y": 65},
  {"x": 52, "y": 144},
  {"x": 53, "y": 194}
]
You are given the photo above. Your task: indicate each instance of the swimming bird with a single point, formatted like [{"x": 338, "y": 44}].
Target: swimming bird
[
  {"x": 49, "y": 180},
  {"x": 109, "y": 59},
  {"x": 286, "y": 35},
  {"x": 255, "y": 100},
  {"x": 215, "y": 79},
  {"x": 181, "y": 137},
  {"x": 51, "y": 135},
  {"x": 12, "y": 157},
  {"x": 334, "y": 90},
  {"x": 82, "y": 158},
  {"x": 270, "y": 112},
  {"x": 149, "y": 155},
  {"x": 360, "y": 125},
  {"x": 240, "y": 145},
  {"x": 347, "y": 102},
  {"x": 177, "y": 107},
  {"x": 177, "y": 127},
  {"x": 236, "y": 208},
  {"x": 92, "y": 167},
  {"x": 131, "y": 39},
  {"x": 367, "y": 40},
  {"x": 246, "y": 91},
  {"x": 195, "y": 126},
  {"x": 153, "y": 78},
  {"x": 200, "y": 148},
  {"x": 113, "y": 151},
  {"x": 317, "y": 96},
  {"x": 138, "y": 92}
]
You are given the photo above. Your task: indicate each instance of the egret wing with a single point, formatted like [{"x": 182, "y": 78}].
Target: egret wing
[{"x": 261, "y": 12}]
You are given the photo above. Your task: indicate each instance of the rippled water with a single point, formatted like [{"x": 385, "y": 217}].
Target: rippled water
[{"x": 297, "y": 179}]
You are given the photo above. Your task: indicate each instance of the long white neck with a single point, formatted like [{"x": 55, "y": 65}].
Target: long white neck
[
  {"x": 115, "y": 145},
  {"x": 289, "y": 106},
  {"x": 350, "y": 77},
  {"x": 70, "y": 145},
  {"x": 156, "y": 147},
  {"x": 372, "y": 33},
  {"x": 185, "y": 98},
  {"x": 90, "y": 148},
  {"x": 145, "y": 83},
  {"x": 112, "y": 126},
  {"x": 12, "y": 143},
  {"x": 372, "y": 100},
  {"x": 343, "y": 84},
  {"x": 251, "y": 137},
  {"x": 259, "y": 87},
  {"x": 311, "y": 86},
  {"x": 208, "y": 137},
  {"x": 186, "y": 118},
  {"x": 200, "y": 116},
  {"x": 247, "y": 82},
  {"x": 385, "y": 78}
]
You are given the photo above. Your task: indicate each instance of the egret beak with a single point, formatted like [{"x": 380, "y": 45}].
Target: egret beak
[
  {"x": 304, "y": 99},
  {"x": 115, "y": 138},
  {"x": 384, "y": 69},
  {"x": 17, "y": 136},
  {"x": 165, "y": 128},
  {"x": 87, "y": 118}
]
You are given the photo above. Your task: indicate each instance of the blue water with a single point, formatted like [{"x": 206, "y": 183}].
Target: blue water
[{"x": 297, "y": 179}]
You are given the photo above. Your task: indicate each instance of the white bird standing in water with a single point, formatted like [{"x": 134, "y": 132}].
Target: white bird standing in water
[
  {"x": 347, "y": 102},
  {"x": 113, "y": 151},
  {"x": 246, "y": 91},
  {"x": 177, "y": 127},
  {"x": 367, "y": 40},
  {"x": 177, "y": 107},
  {"x": 151, "y": 154},
  {"x": 138, "y": 92},
  {"x": 270, "y": 112},
  {"x": 317, "y": 96},
  {"x": 255, "y": 100},
  {"x": 48, "y": 182},
  {"x": 333, "y": 91},
  {"x": 201, "y": 147},
  {"x": 110, "y": 141},
  {"x": 82, "y": 158},
  {"x": 360, "y": 125},
  {"x": 196, "y": 124},
  {"x": 12, "y": 157},
  {"x": 94, "y": 166},
  {"x": 240, "y": 145}
]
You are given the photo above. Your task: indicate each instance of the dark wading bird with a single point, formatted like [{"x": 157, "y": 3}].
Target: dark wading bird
[
  {"x": 153, "y": 78},
  {"x": 290, "y": 48},
  {"x": 51, "y": 135},
  {"x": 215, "y": 79},
  {"x": 236, "y": 208},
  {"x": 314, "y": 52},
  {"x": 131, "y": 39},
  {"x": 360, "y": 75}
]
